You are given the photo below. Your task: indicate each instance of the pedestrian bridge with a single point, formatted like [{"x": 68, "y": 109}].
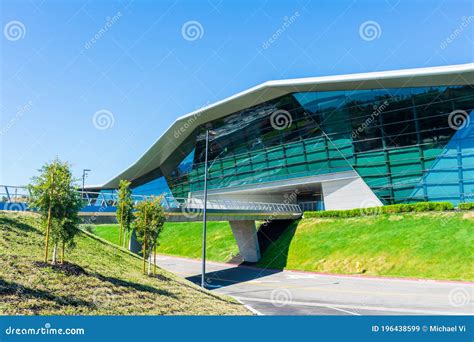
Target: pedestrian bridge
[{"x": 241, "y": 215}]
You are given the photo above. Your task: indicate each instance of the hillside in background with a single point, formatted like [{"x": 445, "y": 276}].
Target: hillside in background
[
  {"x": 436, "y": 245},
  {"x": 98, "y": 279}
]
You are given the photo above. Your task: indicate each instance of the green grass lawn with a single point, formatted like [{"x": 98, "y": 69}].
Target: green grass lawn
[
  {"x": 420, "y": 245},
  {"x": 97, "y": 279},
  {"x": 185, "y": 239},
  {"x": 423, "y": 245}
]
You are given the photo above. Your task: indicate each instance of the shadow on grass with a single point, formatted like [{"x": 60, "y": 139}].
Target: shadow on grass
[
  {"x": 11, "y": 288},
  {"x": 276, "y": 253},
  {"x": 70, "y": 269},
  {"x": 14, "y": 224},
  {"x": 135, "y": 286}
]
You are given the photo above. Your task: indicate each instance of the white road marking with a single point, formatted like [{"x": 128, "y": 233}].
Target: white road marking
[{"x": 340, "y": 307}]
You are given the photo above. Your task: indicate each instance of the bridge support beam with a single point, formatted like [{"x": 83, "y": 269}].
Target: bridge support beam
[{"x": 245, "y": 234}]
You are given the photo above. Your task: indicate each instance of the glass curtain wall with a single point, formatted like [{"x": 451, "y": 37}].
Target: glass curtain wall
[{"x": 396, "y": 139}]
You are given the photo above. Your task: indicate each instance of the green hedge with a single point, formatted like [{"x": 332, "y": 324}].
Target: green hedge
[
  {"x": 466, "y": 206},
  {"x": 387, "y": 209}
]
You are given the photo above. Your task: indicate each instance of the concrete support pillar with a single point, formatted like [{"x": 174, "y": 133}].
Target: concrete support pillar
[
  {"x": 245, "y": 234},
  {"x": 134, "y": 246}
]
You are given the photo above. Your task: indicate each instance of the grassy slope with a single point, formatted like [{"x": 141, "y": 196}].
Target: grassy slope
[
  {"x": 425, "y": 245},
  {"x": 100, "y": 279},
  {"x": 428, "y": 245},
  {"x": 185, "y": 239}
]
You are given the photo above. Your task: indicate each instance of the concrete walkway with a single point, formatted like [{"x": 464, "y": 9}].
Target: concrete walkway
[{"x": 272, "y": 292}]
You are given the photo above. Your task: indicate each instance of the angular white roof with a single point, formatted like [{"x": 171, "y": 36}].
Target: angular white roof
[{"x": 167, "y": 143}]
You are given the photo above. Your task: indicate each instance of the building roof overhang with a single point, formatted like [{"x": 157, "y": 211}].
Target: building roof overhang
[{"x": 176, "y": 134}]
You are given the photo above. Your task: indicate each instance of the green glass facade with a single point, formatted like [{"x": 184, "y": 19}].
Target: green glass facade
[{"x": 399, "y": 141}]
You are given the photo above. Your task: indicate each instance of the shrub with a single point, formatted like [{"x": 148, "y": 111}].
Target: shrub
[
  {"x": 466, "y": 206},
  {"x": 388, "y": 209}
]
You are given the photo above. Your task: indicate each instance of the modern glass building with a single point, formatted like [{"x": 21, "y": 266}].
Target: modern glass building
[{"x": 334, "y": 142}]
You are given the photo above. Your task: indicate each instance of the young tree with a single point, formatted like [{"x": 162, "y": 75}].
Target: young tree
[
  {"x": 148, "y": 224},
  {"x": 55, "y": 196},
  {"x": 124, "y": 210}
]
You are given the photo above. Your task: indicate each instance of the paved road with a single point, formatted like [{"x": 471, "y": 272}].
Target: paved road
[{"x": 272, "y": 292}]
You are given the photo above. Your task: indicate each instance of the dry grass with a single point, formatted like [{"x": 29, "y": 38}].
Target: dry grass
[{"x": 98, "y": 279}]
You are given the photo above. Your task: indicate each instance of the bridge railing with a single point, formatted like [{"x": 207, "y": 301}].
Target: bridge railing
[{"x": 21, "y": 194}]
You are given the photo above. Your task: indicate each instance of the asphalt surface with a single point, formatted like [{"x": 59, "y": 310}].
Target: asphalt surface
[{"x": 271, "y": 292}]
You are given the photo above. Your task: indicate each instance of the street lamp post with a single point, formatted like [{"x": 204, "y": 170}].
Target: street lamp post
[
  {"x": 84, "y": 174},
  {"x": 203, "y": 274}
]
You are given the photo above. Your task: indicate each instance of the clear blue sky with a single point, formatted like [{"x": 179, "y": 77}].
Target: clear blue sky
[{"x": 144, "y": 72}]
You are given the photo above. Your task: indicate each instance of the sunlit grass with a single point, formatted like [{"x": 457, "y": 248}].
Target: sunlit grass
[{"x": 98, "y": 279}]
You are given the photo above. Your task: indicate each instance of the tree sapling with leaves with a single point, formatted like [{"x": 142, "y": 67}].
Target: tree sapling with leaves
[
  {"x": 124, "y": 211},
  {"x": 148, "y": 224},
  {"x": 55, "y": 196}
]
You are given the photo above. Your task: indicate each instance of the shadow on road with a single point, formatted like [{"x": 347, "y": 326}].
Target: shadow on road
[{"x": 231, "y": 276}]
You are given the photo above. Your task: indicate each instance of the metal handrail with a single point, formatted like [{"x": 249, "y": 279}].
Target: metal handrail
[{"x": 109, "y": 199}]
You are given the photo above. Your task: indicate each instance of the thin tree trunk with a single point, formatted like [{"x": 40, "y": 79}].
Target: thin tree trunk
[
  {"x": 144, "y": 243},
  {"x": 121, "y": 224},
  {"x": 62, "y": 253},
  {"x": 48, "y": 225},
  {"x": 154, "y": 256},
  {"x": 54, "y": 253},
  {"x": 46, "y": 243},
  {"x": 149, "y": 263}
]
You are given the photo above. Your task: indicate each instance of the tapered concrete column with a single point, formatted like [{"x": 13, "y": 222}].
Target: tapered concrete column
[
  {"x": 133, "y": 245},
  {"x": 245, "y": 234}
]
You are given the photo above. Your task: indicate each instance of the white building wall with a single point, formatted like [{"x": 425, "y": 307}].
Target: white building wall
[{"x": 348, "y": 194}]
